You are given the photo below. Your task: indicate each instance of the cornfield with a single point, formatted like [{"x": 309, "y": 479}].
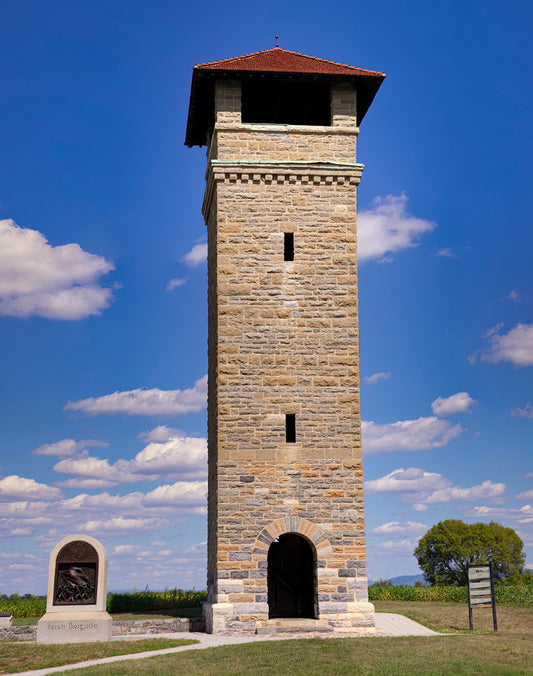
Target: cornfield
[
  {"x": 506, "y": 593},
  {"x": 29, "y": 606},
  {"x": 149, "y": 600},
  {"x": 35, "y": 606}
]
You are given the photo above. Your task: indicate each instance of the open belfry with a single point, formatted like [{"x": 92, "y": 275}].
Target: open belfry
[{"x": 286, "y": 529}]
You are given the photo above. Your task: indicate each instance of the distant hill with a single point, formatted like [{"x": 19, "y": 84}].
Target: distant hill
[{"x": 403, "y": 579}]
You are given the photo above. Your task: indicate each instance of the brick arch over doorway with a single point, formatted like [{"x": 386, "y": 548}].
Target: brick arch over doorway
[{"x": 289, "y": 524}]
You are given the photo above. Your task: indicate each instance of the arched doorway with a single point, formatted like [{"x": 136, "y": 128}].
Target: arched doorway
[{"x": 291, "y": 577}]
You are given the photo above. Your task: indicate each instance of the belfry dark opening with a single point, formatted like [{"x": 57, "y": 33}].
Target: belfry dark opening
[
  {"x": 286, "y": 102},
  {"x": 291, "y": 578}
]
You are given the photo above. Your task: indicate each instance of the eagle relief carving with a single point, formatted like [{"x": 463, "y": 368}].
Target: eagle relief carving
[{"x": 76, "y": 574}]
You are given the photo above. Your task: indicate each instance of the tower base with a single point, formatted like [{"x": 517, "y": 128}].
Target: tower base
[{"x": 357, "y": 619}]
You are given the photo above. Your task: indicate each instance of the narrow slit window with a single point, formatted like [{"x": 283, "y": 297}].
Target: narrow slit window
[
  {"x": 288, "y": 248},
  {"x": 290, "y": 428}
]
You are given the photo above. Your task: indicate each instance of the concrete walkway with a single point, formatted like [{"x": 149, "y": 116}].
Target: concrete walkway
[
  {"x": 387, "y": 624},
  {"x": 391, "y": 624}
]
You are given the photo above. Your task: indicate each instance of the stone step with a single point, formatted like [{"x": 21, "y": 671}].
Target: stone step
[{"x": 294, "y": 626}]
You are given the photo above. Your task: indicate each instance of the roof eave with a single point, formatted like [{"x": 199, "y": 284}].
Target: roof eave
[{"x": 201, "y": 109}]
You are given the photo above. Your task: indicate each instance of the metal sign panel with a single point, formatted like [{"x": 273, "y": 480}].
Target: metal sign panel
[{"x": 481, "y": 591}]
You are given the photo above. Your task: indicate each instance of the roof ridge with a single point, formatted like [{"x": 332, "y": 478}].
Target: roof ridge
[
  {"x": 287, "y": 51},
  {"x": 318, "y": 58},
  {"x": 237, "y": 58}
]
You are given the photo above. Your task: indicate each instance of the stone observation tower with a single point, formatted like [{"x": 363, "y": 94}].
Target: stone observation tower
[{"x": 286, "y": 540}]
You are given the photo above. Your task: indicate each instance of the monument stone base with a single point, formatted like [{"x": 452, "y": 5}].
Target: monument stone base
[
  {"x": 75, "y": 627},
  {"x": 5, "y": 620}
]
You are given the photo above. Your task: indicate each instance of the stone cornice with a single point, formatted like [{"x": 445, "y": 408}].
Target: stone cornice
[
  {"x": 278, "y": 172},
  {"x": 334, "y": 129}
]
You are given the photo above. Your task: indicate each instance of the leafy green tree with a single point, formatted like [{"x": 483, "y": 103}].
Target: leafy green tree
[{"x": 449, "y": 547}]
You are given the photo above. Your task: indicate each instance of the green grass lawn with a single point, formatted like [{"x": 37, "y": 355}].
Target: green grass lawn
[
  {"x": 24, "y": 656},
  {"x": 158, "y": 614},
  {"x": 442, "y": 655},
  {"x": 446, "y": 617},
  {"x": 484, "y": 653}
]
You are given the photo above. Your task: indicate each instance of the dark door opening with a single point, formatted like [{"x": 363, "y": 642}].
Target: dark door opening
[{"x": 291, "y": 577}]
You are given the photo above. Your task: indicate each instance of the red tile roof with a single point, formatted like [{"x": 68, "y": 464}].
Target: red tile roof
[
  {"x": 272, "y": 63},
  {"x": 278, "y": 60}
]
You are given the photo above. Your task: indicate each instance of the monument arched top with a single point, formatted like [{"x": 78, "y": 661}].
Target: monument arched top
[
  {"x": 74, "y": 549},
  {"x": 80, "y": 537}
]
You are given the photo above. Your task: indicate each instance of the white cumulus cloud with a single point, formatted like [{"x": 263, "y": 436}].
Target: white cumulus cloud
[
  {"x": 487, "y": 489},
  {"x": 398, "y": 546},
  {"x": 186, "y": 456},
  {"x": 180, "y": 493},
  {"x": 199, "y": 549},
  {"x": 160, "y": 433},
  {"x": 522, "y": 515},
  {"x": 525, "y": 412},
  {"x": 19, "y": 488},
  {"x": 410, "y": 480},
  {"x": 382, "y": 375},
  {"x": 180, "y": 455},
  {"x": 23, "y": 509},
  {"x": 457, "y": 403},
  {"x": 57, "y": 282},
  {"x": 394, "y": 527},
  {"x": 421, "y": 489},
  {"x": 67, "y": 448},
  {"x": 174, "y": 283},
  {"x": 387, "y": 228},
  {"x": 408, "y": 435},
  {"x": 97, "y": 469},
  {"x": 8, "y": 525},
  {"x": 196, "y": 256},
  {"x": 126, "y": 550},
  {"x": 86, "y": 484},
  {"x": 121, "y": 524},
  {"x": 446, "y": 253},
  {"x": 130, "y": 503},
  {"x": 106, "y": 516},
  {"x": 516, "y": 346},
  {"x": 146, "y": 402}
]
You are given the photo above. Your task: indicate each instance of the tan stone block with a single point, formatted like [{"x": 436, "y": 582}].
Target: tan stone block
[
  {"x": 242, "y": 598},
  {"x": 354, "y": 463},
  {"x": 326, "y": 381},
  {"x": 226, "y": 547}
]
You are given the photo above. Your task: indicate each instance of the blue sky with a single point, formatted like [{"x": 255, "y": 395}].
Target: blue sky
[{"x": 103, "y": 279}]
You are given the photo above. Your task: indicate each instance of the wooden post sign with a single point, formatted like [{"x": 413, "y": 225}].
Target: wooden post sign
[{"x": 481, "y": 591}]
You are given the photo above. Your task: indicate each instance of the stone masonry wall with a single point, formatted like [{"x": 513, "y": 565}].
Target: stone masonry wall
[
  {"x": 283, "y": 338},
  {"x": 120, "y": 627},
  {"x": 212, "y": 406},
  {"x": 283, "y": 142}
]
